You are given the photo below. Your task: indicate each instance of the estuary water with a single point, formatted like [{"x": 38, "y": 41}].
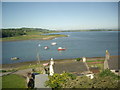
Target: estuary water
[{"x": 77, "y": 44}]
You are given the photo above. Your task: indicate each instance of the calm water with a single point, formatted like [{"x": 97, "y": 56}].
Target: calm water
[{"x": 78, "y": 44}]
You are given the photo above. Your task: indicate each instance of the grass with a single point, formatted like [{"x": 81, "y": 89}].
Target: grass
[
  {"x": 33, "y": 35},
  {"x": 95, "y": 61},
  {"x": 28, "y": 37},
  {"x": 26, "y": 67},
  {"x": 4, "y": 71},
  {"x": 13, "y": 81}
]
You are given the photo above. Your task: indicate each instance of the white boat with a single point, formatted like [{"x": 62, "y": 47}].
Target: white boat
[
  {"x": 15, "y": 58},
  {"x": 54, "y": 43},
  {"x": 46, "y": 47},
  {"x": 60, "y": 48},
  {"x": 39, "y": 45}
]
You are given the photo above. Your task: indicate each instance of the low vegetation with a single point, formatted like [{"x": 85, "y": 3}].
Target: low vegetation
[
  {"x": 105, "y": 79},
  {"x": 95, "y": 61},
  {"x": 79, "y": 59},
  {"x": 57, "y": 80},
  {"x": 13, "y": 81},
  {"x": 28, "y": 33}
]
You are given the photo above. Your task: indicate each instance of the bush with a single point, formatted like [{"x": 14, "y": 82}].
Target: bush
[
  {"x": 107, "y": 72},
  {"x": 57, "y": 80},
  {"x": 78, "y": 59}
]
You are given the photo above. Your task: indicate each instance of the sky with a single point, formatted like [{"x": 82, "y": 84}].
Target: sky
[{"x": 60, "y": 15}]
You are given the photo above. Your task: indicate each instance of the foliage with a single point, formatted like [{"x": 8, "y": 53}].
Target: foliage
[
  {"x": 97, "y": 82},
  {"x": 57, "y": 80},
  {"x": 104, "y": 82},
  {"x": 11, "y": 70},
  {"x": 13, "y": 81},
  {"x": 79, "y": 82},
  {"x": 28, "y": 33},
  {"x": 107, "y": 72},
  {"x": 78, "y": 59},
  {"x": 12, "y": 32},
  {"x": 105, "y": 79}
]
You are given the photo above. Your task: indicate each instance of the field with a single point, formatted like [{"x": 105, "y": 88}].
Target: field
[
  {"x": 32, "y": 37},
  {"x": 13, "y": 81}
]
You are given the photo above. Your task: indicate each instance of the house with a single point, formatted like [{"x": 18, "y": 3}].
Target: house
[{"x": 70, "y": 66}]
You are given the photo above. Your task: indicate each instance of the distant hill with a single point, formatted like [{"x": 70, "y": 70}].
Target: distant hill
[
  {"x": 11, "y": 32},
  {"x": 90, "y": 30}
]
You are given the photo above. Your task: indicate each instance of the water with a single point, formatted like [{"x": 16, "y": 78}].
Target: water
[{"x": 78, "y": 44}]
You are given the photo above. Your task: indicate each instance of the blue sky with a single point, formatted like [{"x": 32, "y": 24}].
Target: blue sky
[{"x": 60, "y": 15}]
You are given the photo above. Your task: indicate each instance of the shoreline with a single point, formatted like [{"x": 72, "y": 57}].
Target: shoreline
[
  {"x": 38, "y": 38},
  {"x": 49, "y": 37},
  {"x": 20, "y": 64},
  {"x": 15, "y": 65}
]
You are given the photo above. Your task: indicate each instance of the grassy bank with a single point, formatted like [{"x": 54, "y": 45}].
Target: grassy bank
[
  {"x": 33, "y": 64},
  {"x": 32, "y": 37},
  {"x": 13, "y": 81}
]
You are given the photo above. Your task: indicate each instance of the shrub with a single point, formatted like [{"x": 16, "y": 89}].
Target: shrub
[
  {"x": 78, "y": 59},
  {"x": 57, "y": 80},
  {"x": 107, "y": 72}
]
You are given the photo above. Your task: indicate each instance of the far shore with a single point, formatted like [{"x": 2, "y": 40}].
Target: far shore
[
  {"x": 16, "y": 65},
  {"x": 44, "y": 37},
  {"x": 32, "y": 37}
]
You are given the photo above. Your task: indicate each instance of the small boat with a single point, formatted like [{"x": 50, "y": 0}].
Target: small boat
[
  {"x": 15, "y": 58},
  {"x": 60, "y": 48},
  {"x": 54, "y": 43},
  {"x": 39, "y": 45},
  {"x": 46, "y": 47}
]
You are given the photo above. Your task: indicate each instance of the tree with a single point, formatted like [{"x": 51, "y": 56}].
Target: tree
[
  {"x": 57, "y": 80},
  {"x": 78, "y": 59}
]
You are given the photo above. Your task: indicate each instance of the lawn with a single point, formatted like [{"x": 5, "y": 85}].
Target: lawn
[{"x": 13, "y": 81}]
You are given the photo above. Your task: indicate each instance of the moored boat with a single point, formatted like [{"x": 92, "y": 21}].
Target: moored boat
[
  {"x": 15, "y": 58},
  {"x": 54, "y": 43},
  {"x": 60, "y": 48},
  {"x": 46, "y": 47}
]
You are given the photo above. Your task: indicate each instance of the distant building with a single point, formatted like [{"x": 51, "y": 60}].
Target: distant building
[
  {"x": 111, "y": 62},
  {"x": 84, "y": 59}
]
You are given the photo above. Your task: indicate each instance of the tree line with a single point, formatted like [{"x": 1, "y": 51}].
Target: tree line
[{"x": 20, "y": 31}]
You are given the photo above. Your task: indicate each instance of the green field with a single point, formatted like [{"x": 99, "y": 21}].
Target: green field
[
  {"x": 28, "y": 34},
  {"x": 13, "y": 81},
  {"x": 95, "y": 61},
  {"x": 32, "y": 37}
]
